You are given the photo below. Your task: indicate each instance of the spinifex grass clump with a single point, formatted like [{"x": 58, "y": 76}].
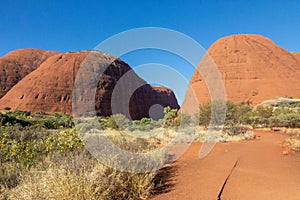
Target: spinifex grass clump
[
  {"x": 80, "y": 177},
  {"x": 294, "y": 140},
  {"x": 38, "y": 163}
]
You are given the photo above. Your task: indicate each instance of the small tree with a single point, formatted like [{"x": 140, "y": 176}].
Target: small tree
[{"x": 170, "y": 116}]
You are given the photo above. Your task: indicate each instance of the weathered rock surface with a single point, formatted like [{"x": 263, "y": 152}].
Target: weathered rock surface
[
  {"x": 100, "y": 87},
  {"x": 17, "y": 64},
  {"x": 252, "y": 68},
  {"x": 296, "y": 55}
]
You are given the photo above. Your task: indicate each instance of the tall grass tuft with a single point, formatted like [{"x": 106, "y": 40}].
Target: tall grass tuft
[{"x": 80, "y": 177}]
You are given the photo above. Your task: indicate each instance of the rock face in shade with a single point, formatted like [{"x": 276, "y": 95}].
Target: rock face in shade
[
  {"x": 49, "y": 88},
  {"x": 17, "y": 64},
  {"x": 252, "y": 68}
]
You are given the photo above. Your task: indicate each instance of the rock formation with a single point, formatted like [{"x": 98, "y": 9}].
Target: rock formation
[
  {"x": 252, "y": 68},
  {"x": 17, "y": 64},
  {"x": 49, "y": 88},
  {"x": 296, "y": 55}
]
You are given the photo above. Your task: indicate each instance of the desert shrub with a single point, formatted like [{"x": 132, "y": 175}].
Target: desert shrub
[
  {"x": 241, "y": 114},
  {"x": 132, "y": 144},
  {"x": 285, "y": 118},
  {"x": 170, "y": 116},
  {"x": 95, "y": 183},
  {"x": 64, "y": 141},
  {"x": 182, "y": 120},
  {"x": 19, "y": 114},
  {"x": 145, "y": 124},
  {"x": 145, "y": 121},
  {"x": 84, "y": 127},
  {"x": 103, "y": 122},
  {"x": 224, "y": 112},
  {"x": 294, "y": 140},
  {"x": 57, "y": 121},
  {"x": 80, "y": 177},
  {"x": 294, "y": 143},
  {"x": 118, "y": 121},
  {"x": 37, "y": 163},
  {"x": 27, "y": 147},
  {"x": 112, "y": 123},
  {"x": 260, "y": 117},
  {"x": 21, "y": 145},
  {"x": 10, "y": 174},
  {"x": 215, "y": 118},
  {"x": 235, "y": 129},
  {"x": 170, "y": 113},
  {"x": 100, "y": 123},
  {"x": 204, "y": 114},
  {"x": 9, "y": 119},
  {"x": 264, "y": 111}
]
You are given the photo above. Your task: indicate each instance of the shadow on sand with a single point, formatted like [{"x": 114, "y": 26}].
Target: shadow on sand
[{"x": 165, "y": 180}]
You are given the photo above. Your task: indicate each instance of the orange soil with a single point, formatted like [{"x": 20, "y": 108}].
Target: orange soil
[{"x": 262, "y": 171}]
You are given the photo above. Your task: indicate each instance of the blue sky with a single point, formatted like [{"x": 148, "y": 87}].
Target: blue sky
[{"x": 76, "y": 25}]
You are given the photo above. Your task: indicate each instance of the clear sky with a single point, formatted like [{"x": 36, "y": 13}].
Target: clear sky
[{"x": 73, "y": 25}]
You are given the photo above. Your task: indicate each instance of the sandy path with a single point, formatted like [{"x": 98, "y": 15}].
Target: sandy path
[{"x": 261, "y": 172}]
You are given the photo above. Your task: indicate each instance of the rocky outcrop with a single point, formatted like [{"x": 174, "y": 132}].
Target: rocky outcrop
[
  {"x": 99, "y": 83},
  {"x": 252, "y": 68},
  {"x": 15, "y": 65},
  {"x": 296, "y": 55}
]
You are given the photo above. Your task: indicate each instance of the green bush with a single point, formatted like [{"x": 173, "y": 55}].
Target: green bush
[
  {"x": 118, "y": 121},
  {"x": 224, "y": 112},
  {"x": 21, "y": 145},
  {"x": 28, "y": 148},
  {"x": 290, "y": 120},
  {"x": 261, "y": 116},
  {"x": 54, "y": 165},
  {"x": 57, "y": 121},
  {"x": 10, "y": 119},
  {"x": 170, "y": 116}
]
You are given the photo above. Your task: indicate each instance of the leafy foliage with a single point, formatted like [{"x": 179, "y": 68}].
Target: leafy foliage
[{"x": 262, "y": 116}]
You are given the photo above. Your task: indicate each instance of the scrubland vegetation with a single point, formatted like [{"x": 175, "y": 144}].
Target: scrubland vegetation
[{"x": 42, "y": 156}]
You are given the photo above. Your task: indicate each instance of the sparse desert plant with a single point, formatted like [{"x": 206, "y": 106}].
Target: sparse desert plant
[
  {"x": 170, "y": 116},
  {"x": 235, "y": 129},
  {"x": 226, "y": 113},
  {"x": 10, "y": 174},
  {"x": 294, "y": 143},
  {"x": 80, "y": 177},
  {"x": 294, "y": 140},
  {"x": 57, "y": 120},
  {"x": 52, "y": 164},
  {"x": 118, "y": 121}
]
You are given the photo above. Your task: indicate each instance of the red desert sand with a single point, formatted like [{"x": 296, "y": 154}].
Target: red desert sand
[{"x": 254, "y": 169}]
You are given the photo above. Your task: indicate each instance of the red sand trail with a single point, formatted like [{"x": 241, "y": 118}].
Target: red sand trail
[{"x": 254, "y": 169}]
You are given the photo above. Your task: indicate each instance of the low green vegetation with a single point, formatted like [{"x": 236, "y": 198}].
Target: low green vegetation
[
  {"x": 42, "y": 155},
  {"x": 25, "y": 119},
  {"x": 239, "y": 118},
  {"x": 257, "y": 117}
]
